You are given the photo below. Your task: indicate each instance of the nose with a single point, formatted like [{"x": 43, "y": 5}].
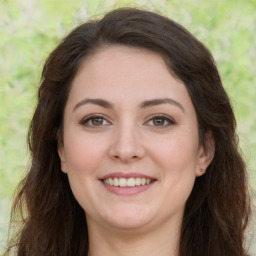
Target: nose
[{"x": 126, "y": 145}]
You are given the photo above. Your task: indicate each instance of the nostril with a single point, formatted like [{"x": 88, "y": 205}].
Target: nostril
[{"x": 128, "y": 151}]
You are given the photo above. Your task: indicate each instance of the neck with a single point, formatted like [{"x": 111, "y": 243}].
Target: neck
[{"x": 162, "y": 241}]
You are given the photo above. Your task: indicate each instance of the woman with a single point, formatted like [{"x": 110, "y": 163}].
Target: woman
[{"x": 133, "y": 146}]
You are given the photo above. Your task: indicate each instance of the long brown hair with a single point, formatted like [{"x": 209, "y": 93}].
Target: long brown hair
[{"x": 217, "y": 210}]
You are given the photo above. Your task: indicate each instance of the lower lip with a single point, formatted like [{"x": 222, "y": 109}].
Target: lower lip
[{"x": 128, "y": 190}]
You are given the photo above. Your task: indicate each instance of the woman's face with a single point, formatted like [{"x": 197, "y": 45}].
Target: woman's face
[{"x": 131, "y": 149}]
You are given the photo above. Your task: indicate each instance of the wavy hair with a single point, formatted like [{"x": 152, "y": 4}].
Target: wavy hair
[{"x": 217, "y": 211}]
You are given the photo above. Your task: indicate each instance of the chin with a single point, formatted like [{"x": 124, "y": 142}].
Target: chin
[
  {"x": 126, "y": 224},
  {"x": 128, "y": 219}
]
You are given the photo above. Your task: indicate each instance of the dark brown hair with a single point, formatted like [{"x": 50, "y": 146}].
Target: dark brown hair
[{"x": 217, "y": 210}]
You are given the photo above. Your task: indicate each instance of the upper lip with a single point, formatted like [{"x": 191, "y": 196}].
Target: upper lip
[{"x": 126, "y": 175}]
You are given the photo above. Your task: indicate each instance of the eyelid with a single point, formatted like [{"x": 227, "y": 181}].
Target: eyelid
[
  {"x": 170, "y": 120},
  {"x": 84, "y": 121}
]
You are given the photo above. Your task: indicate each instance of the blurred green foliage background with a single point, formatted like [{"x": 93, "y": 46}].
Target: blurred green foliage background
[{"x": 30, "y": 29}]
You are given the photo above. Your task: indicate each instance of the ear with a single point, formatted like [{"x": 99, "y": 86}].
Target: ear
[
  {"x": 61, "y": 153},
  {"x": 205, "y": 154}
]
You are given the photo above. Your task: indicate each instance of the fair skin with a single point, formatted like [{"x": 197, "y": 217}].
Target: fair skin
[{"x": 127, "y": 117}]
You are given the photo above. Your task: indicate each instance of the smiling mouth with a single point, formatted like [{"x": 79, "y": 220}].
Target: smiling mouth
[{"x": 130, "y": 182}]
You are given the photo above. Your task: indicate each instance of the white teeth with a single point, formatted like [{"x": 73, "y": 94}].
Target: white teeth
[
  {"x": 123, "y": 182},
  {"x": 137, "y": 181},
  {"x": 116, "y": 182},
  {"x": 131, "y": 182}
]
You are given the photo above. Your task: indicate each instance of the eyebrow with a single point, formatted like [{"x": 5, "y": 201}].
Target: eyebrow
[
  {"x": 155, "y": 102},
  {"x": 144, "y": 104},
  {"x": 99, "y": 102}
]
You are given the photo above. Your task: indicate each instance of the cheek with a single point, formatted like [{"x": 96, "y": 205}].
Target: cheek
[
  {"x": 83, "y": 157},
  {"x": 178, "y": 152},
  {"x": 83, "y": 153},
  {"x": 177, "y": 159}
]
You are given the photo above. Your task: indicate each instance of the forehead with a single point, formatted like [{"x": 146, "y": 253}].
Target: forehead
[
  {"x": 107, "y": 57},
  {"x": 117, "y": 72}
]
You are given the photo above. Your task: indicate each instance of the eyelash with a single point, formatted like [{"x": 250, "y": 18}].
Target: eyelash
[
  {"x": 167, "y": 120},
  {"x": 89, "y": 119}
]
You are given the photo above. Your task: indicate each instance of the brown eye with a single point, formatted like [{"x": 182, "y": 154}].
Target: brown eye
[
  {"x": 97, "y": 121},
  {"x": 159, "y": 121}
]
